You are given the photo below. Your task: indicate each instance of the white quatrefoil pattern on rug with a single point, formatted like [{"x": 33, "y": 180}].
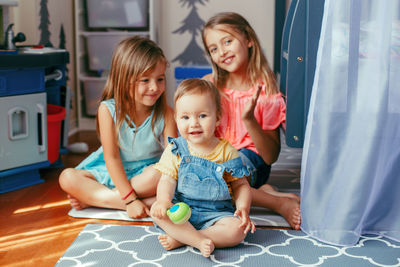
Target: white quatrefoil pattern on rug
[{"x": 127, "y": 245}]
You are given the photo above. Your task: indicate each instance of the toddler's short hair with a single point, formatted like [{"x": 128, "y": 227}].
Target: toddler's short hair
[{"x": 199, "y": 86}]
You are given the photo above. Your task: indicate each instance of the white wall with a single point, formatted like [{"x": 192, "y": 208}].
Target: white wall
[{"x": 259, "y": 13}]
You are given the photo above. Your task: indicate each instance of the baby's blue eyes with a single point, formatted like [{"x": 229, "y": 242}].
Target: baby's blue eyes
[{"x": 201, "y": 116}]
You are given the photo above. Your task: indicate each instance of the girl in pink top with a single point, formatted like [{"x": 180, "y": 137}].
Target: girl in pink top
[{"x": 253, "y": 108}]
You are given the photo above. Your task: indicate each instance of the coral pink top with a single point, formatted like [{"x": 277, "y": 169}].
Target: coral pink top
[{"x": 270, "y": 113}]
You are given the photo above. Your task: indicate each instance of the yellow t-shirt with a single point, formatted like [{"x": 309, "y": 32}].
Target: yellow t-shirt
[{"x": 224, "y": 151}]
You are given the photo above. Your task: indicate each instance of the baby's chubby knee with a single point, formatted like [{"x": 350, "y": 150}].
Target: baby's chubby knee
[{"x": 236, "y": 232}]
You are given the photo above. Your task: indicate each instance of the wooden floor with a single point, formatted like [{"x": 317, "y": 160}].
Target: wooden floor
[{"x": 35, "y": 229}]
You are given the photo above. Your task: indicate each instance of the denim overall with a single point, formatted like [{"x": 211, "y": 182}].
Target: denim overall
[{"x": 201, "y": 185}]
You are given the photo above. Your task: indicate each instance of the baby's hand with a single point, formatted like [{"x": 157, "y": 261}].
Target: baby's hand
[
  {"x": 159, "y": 209},
  {"x": 246, "y": 224}
]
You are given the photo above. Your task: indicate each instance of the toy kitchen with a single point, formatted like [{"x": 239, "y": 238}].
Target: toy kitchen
[{"x": 34, "y": 107}]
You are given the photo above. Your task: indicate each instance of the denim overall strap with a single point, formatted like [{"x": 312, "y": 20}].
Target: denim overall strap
[{"x": 179, "y": 146}]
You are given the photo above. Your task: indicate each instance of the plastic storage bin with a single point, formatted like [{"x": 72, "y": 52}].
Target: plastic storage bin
[
  {"x": 118, "y": 14},
  {"x": 93, "y": 89},
  {"x": 55, "y": 115},
  {"x": 100, "y": 47}
]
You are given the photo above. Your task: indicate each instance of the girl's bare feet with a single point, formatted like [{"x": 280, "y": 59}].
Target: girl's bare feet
[
  {"x": 206, "y": 246},
  {"x": 290, "y": 210},
  {"x": 76, "y": 204},
  {"x": 168, "y": 242},
  {"x": 289, "y": 206},
  {"x": 270, "y": 190}
]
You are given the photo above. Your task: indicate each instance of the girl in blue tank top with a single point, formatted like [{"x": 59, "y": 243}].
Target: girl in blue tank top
[
  {"x": 206, "y": 173},
  {"x": 133, "y": 121}
]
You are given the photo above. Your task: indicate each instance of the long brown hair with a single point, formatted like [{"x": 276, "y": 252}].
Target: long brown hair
[
  {"x": 258, "y": 68},
  {"x": 131, "y": 59}
]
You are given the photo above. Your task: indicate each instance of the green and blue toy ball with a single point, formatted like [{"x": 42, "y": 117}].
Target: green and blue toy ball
[{"x": 179, "y": 213}]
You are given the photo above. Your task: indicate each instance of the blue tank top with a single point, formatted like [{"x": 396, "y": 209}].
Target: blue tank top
[{"x": 138, "y": 143}]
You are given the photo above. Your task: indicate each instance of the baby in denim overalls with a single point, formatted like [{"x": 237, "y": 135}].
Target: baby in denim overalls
[{"x": 205, "y": 172}]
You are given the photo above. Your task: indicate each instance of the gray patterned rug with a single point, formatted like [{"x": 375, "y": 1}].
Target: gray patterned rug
[{"x": 127, "y": 245}]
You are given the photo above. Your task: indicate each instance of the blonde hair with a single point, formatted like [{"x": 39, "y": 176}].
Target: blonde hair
[
  {"x": 258, "y": 68},
  {"x": 199, "y": 86},
  {"x": 132, "y": 58}
]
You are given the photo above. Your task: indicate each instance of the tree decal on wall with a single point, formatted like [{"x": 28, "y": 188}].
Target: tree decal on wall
[
  {"x": 62, "y": 46},
  {"x": 193, "y": 53},
  {"x": 62, "y": 37},
  {"x": 44, "y": 24}
]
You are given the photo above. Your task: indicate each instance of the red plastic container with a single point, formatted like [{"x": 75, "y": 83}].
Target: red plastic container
[{"x": 55, "y": 115}]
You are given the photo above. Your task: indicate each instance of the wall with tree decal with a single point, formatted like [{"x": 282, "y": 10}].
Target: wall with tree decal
[{"x": 192, "y": 24}]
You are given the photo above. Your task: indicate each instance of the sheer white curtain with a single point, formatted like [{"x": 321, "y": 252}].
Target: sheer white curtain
[{"x": 350, "y": 177}]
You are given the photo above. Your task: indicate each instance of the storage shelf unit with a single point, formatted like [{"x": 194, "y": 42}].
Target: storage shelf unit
[{"x": 91, "y": 70}]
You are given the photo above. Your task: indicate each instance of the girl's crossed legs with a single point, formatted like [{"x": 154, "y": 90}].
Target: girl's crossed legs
[{"x": 84, "y": 190}]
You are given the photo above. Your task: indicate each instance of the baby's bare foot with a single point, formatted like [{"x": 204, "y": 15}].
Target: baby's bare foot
[
  {"x": 76, "y": 204},
  {"x": 168, "y": 242},
  {"x": 206, "y": 247}
]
